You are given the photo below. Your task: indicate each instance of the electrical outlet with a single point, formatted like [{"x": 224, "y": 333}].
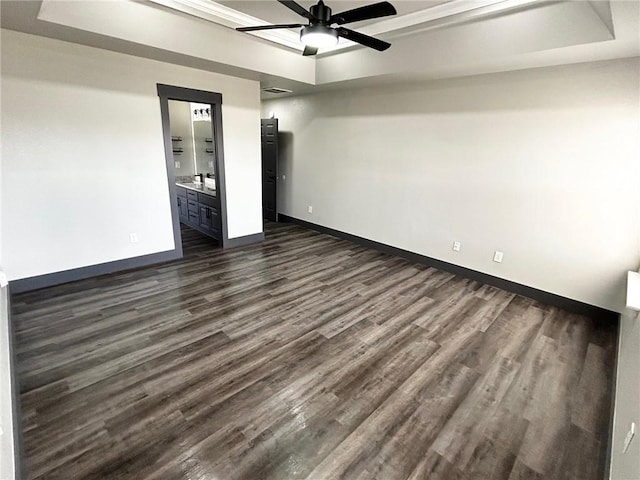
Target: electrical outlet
[
  {"x": 210, "y": 163},
  {"x": 630, "y": 434},
  {"x": 497, "y": 256},
  {"x": 177, "y": 164},
  {"x": 456, "y": 246},
  {"x": 284, "y": 177},
  {"x": 310, "y": 209},
  {"x": 133, "y": 237}
]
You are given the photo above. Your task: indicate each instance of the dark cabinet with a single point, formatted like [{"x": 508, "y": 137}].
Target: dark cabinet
[
  {"x": 209, "y": 219},
  {"x": 199, "y": 211},
  {"x": 182, "y": 204},
  {"x": 205, "y": 217},
  {"x": 191, "y": 195},
  {"x": 215, "y": 222},
  {"x": 182, "y": 208},
  {"x": 192, "y": 206}
]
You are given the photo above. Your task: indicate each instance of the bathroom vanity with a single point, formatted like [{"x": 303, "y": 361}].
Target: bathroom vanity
[
  {"x": 195, "y": 164},
  {"x": 199, "y": 208}
]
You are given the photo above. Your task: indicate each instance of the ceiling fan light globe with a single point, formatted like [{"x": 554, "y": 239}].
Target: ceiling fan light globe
[{"x": 318, "y": 36}]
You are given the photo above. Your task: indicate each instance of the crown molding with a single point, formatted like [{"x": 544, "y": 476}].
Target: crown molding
[
  {"x": 222, "y": 15},
  {"x": 444, "y": 14},
  {"x": 438, "y": 16},
  {"x": 439, "y": 12}
]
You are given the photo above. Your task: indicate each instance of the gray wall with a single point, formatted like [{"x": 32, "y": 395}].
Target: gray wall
[
  {"x": 626, "y": 466},
  {"x": 84, "y": 124},
  {"x": 194, "y": 158},
  {"x": 540, "y": 164},
  {"x": 7, "y": 467},
  {"x": 180, "y": 125},
  {"x": 205, "y": 162}
]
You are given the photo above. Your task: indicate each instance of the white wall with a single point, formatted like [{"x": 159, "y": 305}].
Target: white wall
[
  {"x": 83, "y": 157},
  {"x": 496, "y": 43},
  {"x": 243, "y": 167},
  {"x": 169, "y": 34},
  {"x": 540, "y": 164}
]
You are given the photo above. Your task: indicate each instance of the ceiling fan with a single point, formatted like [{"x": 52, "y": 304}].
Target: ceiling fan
[{"x": 319, "y": 32}]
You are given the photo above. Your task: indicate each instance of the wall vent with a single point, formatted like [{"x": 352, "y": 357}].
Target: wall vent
[{"x": 276, "y": 90}]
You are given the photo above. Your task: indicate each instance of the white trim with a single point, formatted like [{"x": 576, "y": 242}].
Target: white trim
[
  {"x": 633, "y": 291},
  {"x": 454, "y": 11},
  {"x": 444, "y": 10},
  {"x": 217, "y": 13}
]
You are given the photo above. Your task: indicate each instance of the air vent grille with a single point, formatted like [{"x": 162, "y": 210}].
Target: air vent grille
[{"x": 276, "y": 90}]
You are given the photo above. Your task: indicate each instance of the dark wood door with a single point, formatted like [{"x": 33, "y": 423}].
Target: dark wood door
[{"x": 269, "y": 135}]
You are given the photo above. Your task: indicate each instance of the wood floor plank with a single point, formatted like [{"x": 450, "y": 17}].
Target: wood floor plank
[
  {"x": 306, "y": 357},
  {"x": 588, "y": 410},
  {"x": 434, "y": 467},
  {"x": 459, "y": 438}
]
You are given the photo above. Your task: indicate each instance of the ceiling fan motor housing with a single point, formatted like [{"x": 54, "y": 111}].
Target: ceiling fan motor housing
[{"x": 321, "y": 13}]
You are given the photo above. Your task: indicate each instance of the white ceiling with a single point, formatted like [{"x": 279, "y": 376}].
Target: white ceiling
[
  {"x": 431, "y": 39},
  {"x": 272, "y": 12},
  {"x": 411, "y": 16}
]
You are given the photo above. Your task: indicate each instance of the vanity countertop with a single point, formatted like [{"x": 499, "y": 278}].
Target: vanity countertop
[{"x": 197, "y": 187}]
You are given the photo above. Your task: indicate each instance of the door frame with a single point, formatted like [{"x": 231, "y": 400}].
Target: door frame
[{"x": 170, "y": 92}]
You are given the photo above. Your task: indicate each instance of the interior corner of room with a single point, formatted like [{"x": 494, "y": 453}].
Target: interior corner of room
[{"x": 494, "y": 147}]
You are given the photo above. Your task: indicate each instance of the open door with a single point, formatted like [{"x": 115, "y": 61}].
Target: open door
[{"x": 269, "y": 135}]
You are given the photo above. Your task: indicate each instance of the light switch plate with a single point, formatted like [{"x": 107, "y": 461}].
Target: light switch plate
[
  {"x": 633, "y": 290},
  {"x": 497, "y": 256}
]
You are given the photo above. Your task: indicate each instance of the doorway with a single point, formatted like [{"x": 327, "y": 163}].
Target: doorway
[
  {"x": 191, "y": 203},
  {"x": 269, "y": 142}
]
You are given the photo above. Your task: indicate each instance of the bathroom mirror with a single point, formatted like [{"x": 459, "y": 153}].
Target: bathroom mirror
[{"x": 192, "y": 138}]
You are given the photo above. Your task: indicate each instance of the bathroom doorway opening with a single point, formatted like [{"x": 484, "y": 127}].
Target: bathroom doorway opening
[{"x": 194, "y": 152}]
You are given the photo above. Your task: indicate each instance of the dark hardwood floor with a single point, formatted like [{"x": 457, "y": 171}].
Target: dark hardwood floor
[{"x": 307, "y": 357}]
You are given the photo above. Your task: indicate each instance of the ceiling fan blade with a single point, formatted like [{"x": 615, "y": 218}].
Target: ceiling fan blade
[
  {"x": 375, "y": 10},
  {"x": 299, "y": 9},
  {"x": 363, "y": 39},
  {"x": 309, "y": 51},
  {"x": 268, "y": 27}
]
